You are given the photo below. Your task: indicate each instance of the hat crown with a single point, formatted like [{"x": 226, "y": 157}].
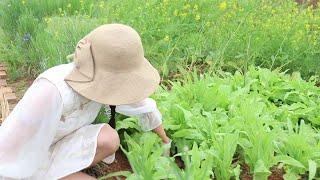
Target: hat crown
[{"x": 116, "y": 48}]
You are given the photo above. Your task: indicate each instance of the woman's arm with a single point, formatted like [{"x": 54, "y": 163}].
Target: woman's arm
[
  {"x": 162, "y": 134},
  {"x": 27, "y": 133},
  {"x": 149, "y": 116}
]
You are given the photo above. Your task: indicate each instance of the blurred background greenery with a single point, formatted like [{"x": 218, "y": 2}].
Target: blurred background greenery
[{"x": 177, "y": 34}]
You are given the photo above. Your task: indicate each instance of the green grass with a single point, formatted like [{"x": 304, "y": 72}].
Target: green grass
[{"x": 205, "y": 34}]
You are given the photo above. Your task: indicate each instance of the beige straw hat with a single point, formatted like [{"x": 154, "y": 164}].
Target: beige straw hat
[{"x": 110, "y": 67}]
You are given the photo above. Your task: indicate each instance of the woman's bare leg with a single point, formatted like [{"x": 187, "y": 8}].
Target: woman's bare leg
[{"x": 108, "y": 143}]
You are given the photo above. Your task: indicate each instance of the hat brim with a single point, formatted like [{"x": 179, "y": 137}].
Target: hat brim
[{"x": 116, "y": 88}]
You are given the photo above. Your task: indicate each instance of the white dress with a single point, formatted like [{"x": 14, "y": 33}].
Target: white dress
[{"x": 50, "y": 134}]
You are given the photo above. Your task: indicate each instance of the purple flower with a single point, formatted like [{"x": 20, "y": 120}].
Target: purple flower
[{"x": 26, "y": 37}]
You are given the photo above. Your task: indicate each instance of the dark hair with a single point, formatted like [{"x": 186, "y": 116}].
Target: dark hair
[{"x": 112, "y": 121}]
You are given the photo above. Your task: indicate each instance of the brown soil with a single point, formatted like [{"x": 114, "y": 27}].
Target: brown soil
[
  {"x": 313, "y": 3},
  {"x": 245, "y": 172},
  {"x": 20, "y": 86},
  {"x": 120, "y": 164},
  {"x": 277, "y": 174},
  {"x": 179, "y": 162}
]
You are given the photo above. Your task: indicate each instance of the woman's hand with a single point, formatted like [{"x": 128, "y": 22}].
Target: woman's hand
[
  {"x": 166, "y": 148},
  {"x": 165, "y": 139},
  {"x": 162, "y": 134}
]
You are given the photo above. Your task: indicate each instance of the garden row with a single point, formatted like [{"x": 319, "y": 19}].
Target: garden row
[{"x": 223, "y": 123}]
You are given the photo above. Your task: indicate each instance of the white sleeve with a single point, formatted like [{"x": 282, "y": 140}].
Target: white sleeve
[
  {"x": 149, "y": 117},
  {"x": 27, "y": 133}
]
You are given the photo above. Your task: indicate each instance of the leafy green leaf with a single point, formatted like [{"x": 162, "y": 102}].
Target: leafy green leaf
[
  {"x": 289, "y": 161},
  {"x": 312, "y": 169}
]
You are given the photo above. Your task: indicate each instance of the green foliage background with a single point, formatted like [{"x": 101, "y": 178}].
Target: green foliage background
[{"x": 208, "y": 34}]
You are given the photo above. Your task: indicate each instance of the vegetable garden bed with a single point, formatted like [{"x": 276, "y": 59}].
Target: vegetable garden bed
[
  {"x": 259, "y": 125},
  {"x": 265, "y": 122},
  {"x": 251, "y": 124}
]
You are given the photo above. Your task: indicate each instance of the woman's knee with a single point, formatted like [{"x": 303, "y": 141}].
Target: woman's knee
[{"x": 108, "y": 140}]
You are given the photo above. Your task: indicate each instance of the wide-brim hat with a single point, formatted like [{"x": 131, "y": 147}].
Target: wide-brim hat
[{"x": 110, "y": 67}]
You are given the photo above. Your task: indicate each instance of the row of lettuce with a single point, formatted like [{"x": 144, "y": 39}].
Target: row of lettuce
[{"x": 219, "y": 123}]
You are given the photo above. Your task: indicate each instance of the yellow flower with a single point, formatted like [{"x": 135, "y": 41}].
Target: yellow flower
[
  {"x": 234, "y": 6},
  {"x": 101, "y": 5},
  {"x": 166, "y": 39},
  {"x": 183, "y": 14},
  {"x": 187, "y": 6},
  {"x": 47, "y": 20},
  {"x": 198, "y": 17},
  {"x": 175, "y": 13},
  {"x": 23, "y": 2},
  {"x": 223, "y": 5},
  {"x": 307, "y": 26},
  {"x": 309, "y": 9},
  {"x": 69, "y": 5},
  {"x": 195, "y": 7}
]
